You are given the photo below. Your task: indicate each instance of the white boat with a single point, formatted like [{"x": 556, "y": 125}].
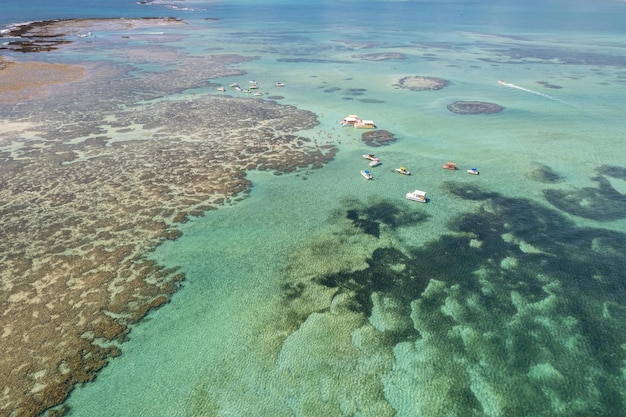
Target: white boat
[
  {"x": 238, "y": 88},
  {"x": 279, "y": 85},
  {"x": 375, "y": 162},
  {"x": 417, "y": 195},
  {"x": 252, "y": 82},
  {"x": 369, "y": 156},
  {"x": 473, "y": 171},
  {"x": 257, "y": 94},
  {"x": 234, "y": 85},
  {"x": 364, "y": 124},
  {"x": 221, "y": 89},
  {"x": 253, "y": 87},
  {"x": 403, "y": 170},
  {"x": 350, "y": 120},
  {"x": 366, "y": 174}
]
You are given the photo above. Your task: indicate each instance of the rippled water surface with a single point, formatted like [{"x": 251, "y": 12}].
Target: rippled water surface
[{"x": 323, "y": 294}]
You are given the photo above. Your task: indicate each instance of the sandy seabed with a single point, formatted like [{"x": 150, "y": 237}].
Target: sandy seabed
[{"x": 90, "y": 183}]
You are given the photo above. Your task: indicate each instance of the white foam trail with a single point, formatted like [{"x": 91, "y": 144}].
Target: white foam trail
[{"x": 527, "y": 90}]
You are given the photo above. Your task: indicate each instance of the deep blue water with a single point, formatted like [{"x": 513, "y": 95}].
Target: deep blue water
[{"x": 577, "y": 16}]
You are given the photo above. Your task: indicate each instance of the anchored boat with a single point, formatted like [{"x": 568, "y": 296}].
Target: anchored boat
[{"x": 417, "y": 195}]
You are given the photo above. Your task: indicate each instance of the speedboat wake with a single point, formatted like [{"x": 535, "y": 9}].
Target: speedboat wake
[{"x": 528, "y": 90}]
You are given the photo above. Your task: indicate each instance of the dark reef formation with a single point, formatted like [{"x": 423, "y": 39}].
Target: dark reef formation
[
  {"x": 378, "y": 138},
  {"x": 474, "y": 107}
]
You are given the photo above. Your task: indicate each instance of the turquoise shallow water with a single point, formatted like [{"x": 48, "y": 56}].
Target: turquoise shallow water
[{"x": 325, "y": 294}]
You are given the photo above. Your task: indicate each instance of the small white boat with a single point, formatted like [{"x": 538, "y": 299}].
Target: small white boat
[
  {"x": 375, "y": 162},
  {"x": 221, "y": 89},
  {"x": 369, "y": 156},
  {"x": 366, "y": 174},
  {"x": 403, "y": 170},
  {"x": 350, "y": 120},
  {"x": 473, "y": 171},
  {"x": 252, "y": 82},
  {"x": 238, "y": 88},
  {"x": 253, "y": 86},
  {"x": 417, "y": 195},
  {"x": 279, "y": 85},
  {"x": 258, "y": 93},
  {"x": 234, "y": 85}
]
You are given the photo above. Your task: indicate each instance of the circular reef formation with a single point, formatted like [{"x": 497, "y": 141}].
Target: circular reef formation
[
  {"x": 378, "y": 138},
  {"x": 474, "y": 107},
  {"x": 421, "y": 83}
]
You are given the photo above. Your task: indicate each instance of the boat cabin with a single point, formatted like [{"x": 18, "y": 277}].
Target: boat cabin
[
  {"x": 364, "y": 124},
  {"x": 350, "y": 120},
  {"x": 417, "y": 195}
]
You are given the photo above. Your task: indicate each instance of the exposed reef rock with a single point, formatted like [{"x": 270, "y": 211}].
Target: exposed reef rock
[
  {"x": 47, "y": 35},
  {"x": 420, "y": 83}
]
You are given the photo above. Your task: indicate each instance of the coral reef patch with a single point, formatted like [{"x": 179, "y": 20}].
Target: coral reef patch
[
  {"x": 93, "y": 176},
  {"x": 378, "y": 137},
  {"x": 474, "y": 107}
]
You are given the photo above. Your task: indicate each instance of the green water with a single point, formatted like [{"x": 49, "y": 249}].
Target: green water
[{"x": 494, "y": 299}]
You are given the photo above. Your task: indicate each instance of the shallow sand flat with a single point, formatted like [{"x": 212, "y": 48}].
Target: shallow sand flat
[{"x": 79, "y": 208}]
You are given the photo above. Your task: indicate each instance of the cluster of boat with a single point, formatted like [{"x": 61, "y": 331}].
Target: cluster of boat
[
  {"x": 252, "y": 85},
  {"x": 374, "y": 161},
  {"x": 417, "y": 195},
  {"x": 452, "y": 166}
]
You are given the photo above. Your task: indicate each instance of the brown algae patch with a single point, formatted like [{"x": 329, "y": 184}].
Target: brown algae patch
[
  {"x": 21, "y": 81},
  {"x": 89, "y": 187},
  {"x": 421, "y": 83}
]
